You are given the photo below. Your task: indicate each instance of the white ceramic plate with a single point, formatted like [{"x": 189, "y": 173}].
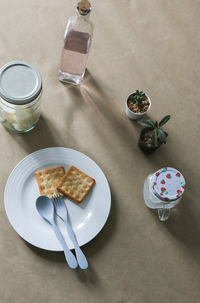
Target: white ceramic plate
[{"x": 21, "y": 192}]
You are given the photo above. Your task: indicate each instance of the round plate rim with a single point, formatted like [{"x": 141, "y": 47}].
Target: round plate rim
[{"x": 46, "y": 149}]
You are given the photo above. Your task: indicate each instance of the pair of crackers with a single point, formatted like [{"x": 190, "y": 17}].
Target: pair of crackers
[{"x": 74, "y": 183}]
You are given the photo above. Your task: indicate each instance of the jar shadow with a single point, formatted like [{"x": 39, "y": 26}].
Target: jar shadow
[
  {"x": 44, "y": 135},
  {"x": 184, "y": 225}
]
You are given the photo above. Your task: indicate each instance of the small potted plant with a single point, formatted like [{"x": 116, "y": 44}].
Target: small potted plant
[
  {"x": 152, "y": 135},
  {"x": 137, "y": 105}
]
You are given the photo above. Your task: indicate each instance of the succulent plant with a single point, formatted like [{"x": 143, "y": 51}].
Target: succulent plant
[
  {"x": 138, "y": 97},
  {"x": 158, "y": 134}
]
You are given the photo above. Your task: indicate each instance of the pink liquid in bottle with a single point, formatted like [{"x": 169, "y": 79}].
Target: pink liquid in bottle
[{"x": 74, "y": 57}]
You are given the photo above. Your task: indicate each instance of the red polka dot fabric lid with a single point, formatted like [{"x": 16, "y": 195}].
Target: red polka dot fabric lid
[{"x": 168, "y": 184}]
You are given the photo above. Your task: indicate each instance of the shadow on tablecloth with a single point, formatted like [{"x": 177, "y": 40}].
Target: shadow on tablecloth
[
  {"x": 92, "y": 249},
  {"x": 45, "y": 134}
]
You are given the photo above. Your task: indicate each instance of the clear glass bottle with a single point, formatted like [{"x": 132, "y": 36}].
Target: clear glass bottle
[
  {"x": 163, "y": 190},
  {"x": 20, "y": 96},
  {"x": 77, "y": 41}
]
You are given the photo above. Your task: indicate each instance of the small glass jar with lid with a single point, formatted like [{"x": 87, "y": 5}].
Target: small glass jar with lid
[
  {"x": 20, "y": 96},
  {"x": 163, "y": 190}
]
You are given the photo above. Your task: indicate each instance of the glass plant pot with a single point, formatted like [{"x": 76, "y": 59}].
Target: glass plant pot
[
  {"x": 20, "y": 96},
  {"x": 163, "y": 190}
]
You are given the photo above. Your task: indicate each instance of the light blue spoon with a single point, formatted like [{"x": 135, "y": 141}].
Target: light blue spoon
[{"x": 45, "y": 208}]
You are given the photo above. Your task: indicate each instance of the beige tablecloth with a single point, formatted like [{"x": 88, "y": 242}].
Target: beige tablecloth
[{"x": 147, "y": 45}]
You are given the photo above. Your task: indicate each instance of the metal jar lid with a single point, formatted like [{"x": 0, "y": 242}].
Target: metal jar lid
[
  {"x": 168, "y": 184},
  {"x": 20, "y": 82}
]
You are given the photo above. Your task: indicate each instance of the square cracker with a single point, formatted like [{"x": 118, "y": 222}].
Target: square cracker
[
  {"x": 48, "y": 180},
  {"x": 75, "y": 184}
]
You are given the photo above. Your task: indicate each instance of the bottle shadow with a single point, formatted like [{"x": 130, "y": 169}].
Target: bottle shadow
[{"x": 96, "y": 100}]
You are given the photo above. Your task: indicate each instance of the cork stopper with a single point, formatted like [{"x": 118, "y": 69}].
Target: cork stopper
[{"x": 85, "y": 5}]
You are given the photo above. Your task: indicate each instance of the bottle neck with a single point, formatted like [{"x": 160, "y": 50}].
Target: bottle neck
[{"x": 81, "y": 16}]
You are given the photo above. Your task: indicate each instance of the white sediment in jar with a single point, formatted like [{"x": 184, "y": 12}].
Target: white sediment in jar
[
  {"x": 20, "y": 92},
  {"x": 19, "y": 117}
]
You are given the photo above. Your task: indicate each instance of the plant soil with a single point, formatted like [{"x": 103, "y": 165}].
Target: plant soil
[
  {"x": 147, "y": 139},
  {"x": 145, "y": 142},
  {"x": 138, "y": 109}
]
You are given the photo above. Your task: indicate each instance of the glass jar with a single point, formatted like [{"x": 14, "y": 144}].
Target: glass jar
[
  {"x": 163, "y": 190},
  {"x": 20, "y": 96}
]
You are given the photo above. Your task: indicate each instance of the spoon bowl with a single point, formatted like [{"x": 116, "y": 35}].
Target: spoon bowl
[{"x": 45, "y": 208}]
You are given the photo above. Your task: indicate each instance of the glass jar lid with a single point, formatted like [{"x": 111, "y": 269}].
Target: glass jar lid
[
  {"x": 20, "y": 82},
  {"x": 168, "y": 184}
]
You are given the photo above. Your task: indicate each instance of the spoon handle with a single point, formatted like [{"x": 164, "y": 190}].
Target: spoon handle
[
  {"x": 82, "y": 261},
  {"x": 70, "y": 258}
]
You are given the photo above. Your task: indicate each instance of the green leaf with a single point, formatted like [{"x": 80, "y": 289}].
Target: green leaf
[
  {"x": 146, "y": 123},
  {"x": 164, "y": 120},
  {"x": 131, "y": 98},
  {"x": 161, "y": 135},
  {"x": 156, "y": 124},
  {"x": 155, "y": 137}
]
